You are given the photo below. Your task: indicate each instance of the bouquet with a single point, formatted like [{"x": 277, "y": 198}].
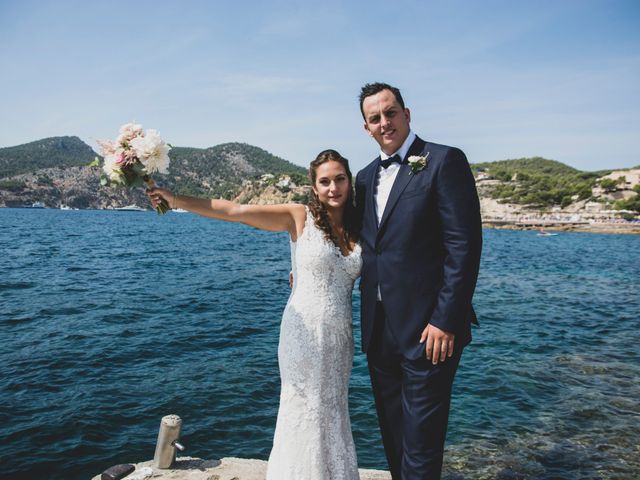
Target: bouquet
[{"x": 134, "y": 155}]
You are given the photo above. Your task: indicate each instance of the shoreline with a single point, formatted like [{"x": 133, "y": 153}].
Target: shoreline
[
  {"x": 583, "y": 226},
  {"x": 627, "y": 228}
]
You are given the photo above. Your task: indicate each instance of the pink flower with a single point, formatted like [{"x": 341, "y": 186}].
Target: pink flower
[
  {"x": 129, "y": 131},
  {"x": 129, "y": 156},
  {"x": 108, "y": 147},
  {"x": 119, "y": 158}
]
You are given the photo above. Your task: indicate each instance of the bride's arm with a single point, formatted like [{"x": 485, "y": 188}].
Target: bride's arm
[{"x": 288, "y": 217}]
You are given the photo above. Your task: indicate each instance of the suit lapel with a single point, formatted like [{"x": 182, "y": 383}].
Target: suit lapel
[
  {"x": 402, "y": 180},
  {"x": 399, "y": 184},
  {"x": 372, "y": 187}
]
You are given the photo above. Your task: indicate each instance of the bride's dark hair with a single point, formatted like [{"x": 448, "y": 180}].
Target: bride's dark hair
[{"x": 319, "y": 211}]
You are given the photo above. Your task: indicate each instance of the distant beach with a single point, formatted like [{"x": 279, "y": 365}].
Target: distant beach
[{"x": 603, "y": 226}]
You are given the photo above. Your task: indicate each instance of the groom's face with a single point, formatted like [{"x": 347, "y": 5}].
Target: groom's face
[{"x": 386, "y": 121}]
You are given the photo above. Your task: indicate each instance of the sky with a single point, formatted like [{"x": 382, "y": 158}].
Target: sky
[{"x": 499, "y": 79}]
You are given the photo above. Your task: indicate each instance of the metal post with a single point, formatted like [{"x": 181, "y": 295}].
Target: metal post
[{"x": 167, "y": 443}]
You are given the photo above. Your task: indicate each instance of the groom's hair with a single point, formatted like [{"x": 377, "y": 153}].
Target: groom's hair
[{"x": 373, "y": 88}]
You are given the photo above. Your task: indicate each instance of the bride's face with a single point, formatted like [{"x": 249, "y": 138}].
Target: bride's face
[{"x": 332, "y": 184}]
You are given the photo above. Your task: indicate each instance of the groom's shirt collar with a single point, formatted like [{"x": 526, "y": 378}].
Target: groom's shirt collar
[{"x": 403, "y": 150}]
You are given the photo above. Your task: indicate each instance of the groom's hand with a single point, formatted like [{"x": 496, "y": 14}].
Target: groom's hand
[{"x": 439, "y": 343}]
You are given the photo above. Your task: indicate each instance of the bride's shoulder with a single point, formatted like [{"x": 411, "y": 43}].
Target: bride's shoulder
[
  {"x": 299, "y": 211},
  {"x": 300, "y": 215}
]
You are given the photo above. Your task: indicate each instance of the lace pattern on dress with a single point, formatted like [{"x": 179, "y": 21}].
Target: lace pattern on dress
[{"x": 313, "y": 439}]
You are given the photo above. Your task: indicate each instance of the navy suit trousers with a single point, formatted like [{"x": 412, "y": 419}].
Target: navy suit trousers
[{"x": 412, "y": 399}]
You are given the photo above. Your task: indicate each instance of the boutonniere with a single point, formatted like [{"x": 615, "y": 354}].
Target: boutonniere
[{"x": 417, "y": 162}]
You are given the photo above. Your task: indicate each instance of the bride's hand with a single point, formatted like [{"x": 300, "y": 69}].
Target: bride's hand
[{"x": 156, "y": 195}]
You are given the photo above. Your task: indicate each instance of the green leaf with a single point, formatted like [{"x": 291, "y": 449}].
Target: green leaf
[
  {"x": 95, "y": 163},
  {"x": 138, "y": 168},
  {"x": 136, "y": 182}
]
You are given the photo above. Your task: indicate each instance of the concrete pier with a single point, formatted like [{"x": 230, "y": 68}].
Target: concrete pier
[{"x": 190, "y": 468}]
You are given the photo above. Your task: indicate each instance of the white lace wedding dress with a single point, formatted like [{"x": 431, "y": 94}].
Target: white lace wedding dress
[{"x": 313, "y": 439}]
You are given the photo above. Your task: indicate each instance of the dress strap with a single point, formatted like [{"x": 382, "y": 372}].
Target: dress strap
[
  {"x": 309, "y": 224},
  {"x": 309, "y": 215}
]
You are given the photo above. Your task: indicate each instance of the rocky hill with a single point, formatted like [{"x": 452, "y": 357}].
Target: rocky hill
[
  {"x": 531, "y": 185},
  {"x": 54, "y": 172},
  {"x": 51, "y": 152}
]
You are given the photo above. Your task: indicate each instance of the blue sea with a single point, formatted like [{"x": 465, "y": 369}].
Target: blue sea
[{"x": 111, "y": 320}]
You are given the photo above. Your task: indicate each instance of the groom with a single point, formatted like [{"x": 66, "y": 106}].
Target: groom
[{"x": 421, "y": 240}]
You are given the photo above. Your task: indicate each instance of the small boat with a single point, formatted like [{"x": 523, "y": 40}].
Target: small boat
[
  {"x": 131, "y": 208},
  {"x": 179, "y": 210},
  {"x": 65, "y": 207},
  {"x": 37, "y": 205},
  {"x": 543, "y": 233}
]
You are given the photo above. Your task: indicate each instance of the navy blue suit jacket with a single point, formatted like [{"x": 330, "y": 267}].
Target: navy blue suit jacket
[{"x": 425, "y": 254}]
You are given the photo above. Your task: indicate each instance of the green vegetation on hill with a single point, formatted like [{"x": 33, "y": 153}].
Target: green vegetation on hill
[
  {"x": 632, "y": 203},
  {"x": 538, "y": 182},
  {"x": 531, "y": 165},
  {"x": 12, "y": 185},
  {"x": 214, "y": 172},
  {"x": 222, "y": 170},
  {"x": 45, "y": 153},
  {"x": 219, "y": 171}
]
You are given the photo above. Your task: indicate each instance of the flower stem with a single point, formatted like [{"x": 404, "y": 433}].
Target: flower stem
[{"x": 163, "y": 206}]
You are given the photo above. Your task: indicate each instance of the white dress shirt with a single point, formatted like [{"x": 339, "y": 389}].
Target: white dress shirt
[{"x": 386, "y": 177}]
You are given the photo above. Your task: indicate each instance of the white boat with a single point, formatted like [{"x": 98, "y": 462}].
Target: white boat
[
  {"x": 37, "y": 205},
  {"x": 65, "y": 207},
  {"x": 542, "y": 233},
  {"x": 179, "y": 210},
  {"x": 131, "y": 208}
]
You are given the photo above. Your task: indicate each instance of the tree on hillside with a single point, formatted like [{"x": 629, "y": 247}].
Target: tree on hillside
[
  {"x": 608, "y": 185},
  {"x": 632, "y": 204}
]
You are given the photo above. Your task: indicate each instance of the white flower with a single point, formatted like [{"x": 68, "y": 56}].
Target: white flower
[
  {"x": 112, "y": 169},
  {"x": 152, "y": 152},
  {"x": 417, "y": 162}
]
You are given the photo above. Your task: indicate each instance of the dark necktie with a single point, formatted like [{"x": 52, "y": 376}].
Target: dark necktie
[{"x": 385, "y": 163}]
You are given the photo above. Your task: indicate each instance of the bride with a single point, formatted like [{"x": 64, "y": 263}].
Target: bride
[{"x": 312, "y": 439}]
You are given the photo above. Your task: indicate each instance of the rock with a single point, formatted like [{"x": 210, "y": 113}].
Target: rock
[{"x": 190, "y": 468}]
